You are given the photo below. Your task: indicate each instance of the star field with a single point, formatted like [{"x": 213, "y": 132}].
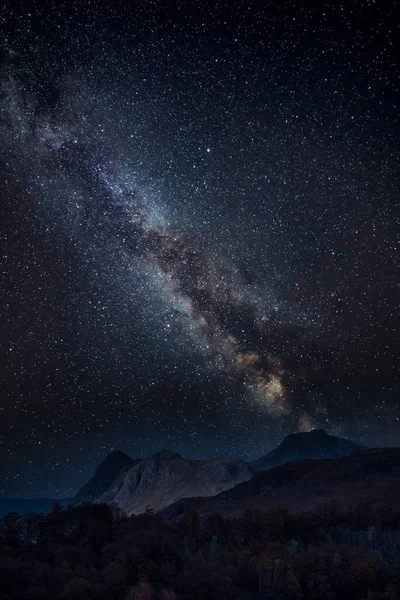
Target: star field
[{"x": 199, "y": 233}]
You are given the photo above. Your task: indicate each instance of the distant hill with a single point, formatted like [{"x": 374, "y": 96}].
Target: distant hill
[
  {"x": 373, "y": 475},
  {"x": 298, "y": 446}
]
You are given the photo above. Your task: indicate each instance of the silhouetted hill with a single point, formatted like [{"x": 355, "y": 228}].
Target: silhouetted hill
[
  {"x": 373, "y": 475},
  {"x": 298, "y": 446}
]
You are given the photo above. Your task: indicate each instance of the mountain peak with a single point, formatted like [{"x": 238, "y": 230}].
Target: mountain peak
[
  {"x": 113, "y": 465},
  {"x": 116, "y": 455},
  {"x": 316, "y": 443},
  {"x": 312, "y": 433},
  {"x": 166, "y": 477}
]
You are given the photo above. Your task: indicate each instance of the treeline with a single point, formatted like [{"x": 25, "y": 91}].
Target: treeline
[{"x": 95, "y": 552}]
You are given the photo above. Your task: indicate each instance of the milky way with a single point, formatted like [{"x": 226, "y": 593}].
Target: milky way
[
  {"x": 104, "y": 210},
  {"x": 199, "y": 242}
]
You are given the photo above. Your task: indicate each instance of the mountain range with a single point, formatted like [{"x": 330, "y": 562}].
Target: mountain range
[
  {"x": 166, "y": 478},
  {"x": 372, "y": 475},
  {"x": 161, "y": 479}
]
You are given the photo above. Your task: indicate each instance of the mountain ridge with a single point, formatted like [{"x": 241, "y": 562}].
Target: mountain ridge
[
  {"x": 300, "y": 486},
  {"x": 155, "y": 482},
  {"x": 108, "y": 470},
  {"x": 165, "y": 477},
  {"x": 316, "y": 443}
]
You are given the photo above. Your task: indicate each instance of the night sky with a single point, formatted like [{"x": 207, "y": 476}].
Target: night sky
[{"x": 198, "y": 233}]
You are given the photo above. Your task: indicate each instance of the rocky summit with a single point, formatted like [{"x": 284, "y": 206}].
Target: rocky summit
[
  {"x": 161, "y": 479},
  {"x": 112, "y": 467}
]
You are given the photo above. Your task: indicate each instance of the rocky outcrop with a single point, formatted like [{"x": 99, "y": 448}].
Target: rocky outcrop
[
  {"x": 106, "y": 473},
  {"x": 159, "y": 480}
]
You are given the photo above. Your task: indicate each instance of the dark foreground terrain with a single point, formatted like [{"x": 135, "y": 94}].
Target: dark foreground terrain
[{"x": 94, "y": 551}]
